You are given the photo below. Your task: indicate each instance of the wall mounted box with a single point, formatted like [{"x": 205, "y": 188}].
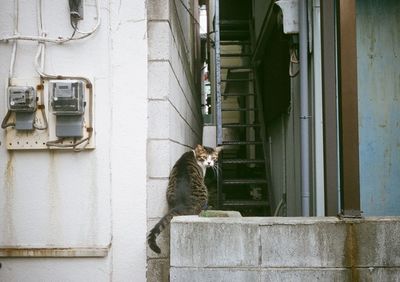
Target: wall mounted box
[{"x": 69, "y": 120}]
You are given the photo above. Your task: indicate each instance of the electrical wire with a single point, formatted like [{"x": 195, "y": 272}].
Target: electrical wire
[
  {"x": 293, "y": 60},
  {"x": 5, "y": 122},
  {"x": 41, "y": 107},
  {"x": 85, "y": 141},
  {"x": 190, "y": 12},
  {"x": 59, "y": 39},
  {"x": 74, "y": 25},
  {"x": 89, "y": 128},
  {"x": 281, "y": 204},
  {"x": 39, "y": 67},
  {"x": 15, "y": 43}
]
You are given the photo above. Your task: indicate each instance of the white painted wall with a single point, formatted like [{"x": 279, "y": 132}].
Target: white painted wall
[{"x": 90, "y": 199}]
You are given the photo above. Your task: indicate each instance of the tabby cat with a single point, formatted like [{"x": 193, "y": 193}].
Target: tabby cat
[{"x": 186, "y": 194}]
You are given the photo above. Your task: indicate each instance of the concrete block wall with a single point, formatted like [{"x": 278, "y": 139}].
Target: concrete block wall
[
  {"x": 284, "y": 249},
  {"x": 174, "y": 115}
]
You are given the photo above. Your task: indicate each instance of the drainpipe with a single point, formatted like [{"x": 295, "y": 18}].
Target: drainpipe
[
  {"x": 317, "y": 116},
  {"x": 304, "y": 110}
]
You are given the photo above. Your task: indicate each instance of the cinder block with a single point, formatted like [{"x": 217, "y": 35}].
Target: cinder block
[
  {"x": 376, "y": 274},
  {"x": 158, "y": 158},
  {"x": 162, "y": 240},
  {"x": 306, "y": 274},
  {"x": 376, "y": 242},
  {"x": 303, "y": 244},
  {"x": 158, "y": 9},
  {"x": 157, "y": 270},
  {"x": 174, "y": 120},
  {"x": 205, "y": 242},
  {"x": 178, "y": 126},
  {"x": 158, "y": 76},
  {"x": 214, "y": 274},
  {"x": 159, "y": 125},
  {"x": 159, "y": 40},
  {"x": 177, "y": 150},
  {"x": 156, "y": 198}
]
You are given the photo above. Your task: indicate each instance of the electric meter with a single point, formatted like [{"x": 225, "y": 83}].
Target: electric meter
[
  {"x": 67, "y": 97},
  {"x": 67, "y": 103},
  {"x": 22, "y": 99}
]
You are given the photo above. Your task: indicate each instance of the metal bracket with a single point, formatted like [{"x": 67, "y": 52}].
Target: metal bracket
[{"x": 346, "y": 214}]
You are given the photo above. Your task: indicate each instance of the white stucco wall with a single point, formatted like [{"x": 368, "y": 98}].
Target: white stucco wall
[{"x": 93, "y": 199}]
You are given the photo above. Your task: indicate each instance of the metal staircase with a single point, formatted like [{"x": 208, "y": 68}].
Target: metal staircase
[{"x": 243, "y": 182}]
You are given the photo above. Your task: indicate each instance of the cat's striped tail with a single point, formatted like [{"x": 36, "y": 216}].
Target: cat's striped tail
[{"x": 160, "y": 226}]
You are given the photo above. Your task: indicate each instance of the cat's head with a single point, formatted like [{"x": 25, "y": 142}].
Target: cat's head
[{"x": 206, "y": 156}]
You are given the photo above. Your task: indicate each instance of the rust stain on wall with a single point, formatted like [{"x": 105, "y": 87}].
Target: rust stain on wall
[
  {"x": 351, "y": 252},
  {"x": 53, "y": 200},
  {"x": 54, "y": 252},
  {"x": 93, "y": 225},
  {"x": 9, "y": 229}
]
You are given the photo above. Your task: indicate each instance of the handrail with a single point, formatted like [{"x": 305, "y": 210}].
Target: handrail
[{"x": 218, "y": 112}]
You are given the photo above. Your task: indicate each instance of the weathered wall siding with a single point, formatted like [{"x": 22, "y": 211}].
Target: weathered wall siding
[
  {"x": 378, "y": 48},
  {"x": 66, "y": 199},
  {"x": 57, "y": 198},
  {"x": 50, "y": 269},
  {"x": 283, "y": 133},
  {"x": 174, "y": 110},
  {"x": 277, "y": 138}
]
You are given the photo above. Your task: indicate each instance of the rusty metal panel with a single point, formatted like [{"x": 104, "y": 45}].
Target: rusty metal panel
[
  {"x": 348, "y": 107},
  {"x": 330, "y": 107},
  {"x": 54, "y": 252},
  {"x": 378, "y": 48}
]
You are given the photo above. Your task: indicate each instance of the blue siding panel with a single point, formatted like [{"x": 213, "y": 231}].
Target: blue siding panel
[{"x": 378, "y": 48}]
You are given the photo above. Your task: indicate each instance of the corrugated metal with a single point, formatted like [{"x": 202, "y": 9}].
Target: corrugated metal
[{"x": 378, "y": 47}]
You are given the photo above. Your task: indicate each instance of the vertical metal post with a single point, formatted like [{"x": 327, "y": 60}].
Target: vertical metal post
[
  {"x": 304, "y": 110},
  {"x": 318, "y": 147},
  {"x": 330, "y": 107},
  {"x": 348, "y": 105},
  {"x": 218, "y": 111},
  {"x": 218, "y": 102}
]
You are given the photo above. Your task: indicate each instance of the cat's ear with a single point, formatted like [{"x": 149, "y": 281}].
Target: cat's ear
[
  {"x": 218, "y": 149},
  {"x": 198, "y": 147}
]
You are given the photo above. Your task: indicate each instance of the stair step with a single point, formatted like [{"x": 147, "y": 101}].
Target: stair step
[
  {"x": 241, "y": 69},
  {"x": 234, "y": 33},
  {"x": 237, "y": 94},
  {"x": 238, "y": 203},
  {"x": 238, "y": 109},
  {"x": 242, "y": 161},
  {"x": 241, "y": 142},
  {"x": 233, "y": 125},
  {"x": 237, "y": 80},
  {"x": 234, "y": 22},
  {"x": 236, "y": 66},
  {"x": 235, "y": 42},
  {"x": 244, "y": 181},
  {"x": 236, "y": 55}
]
